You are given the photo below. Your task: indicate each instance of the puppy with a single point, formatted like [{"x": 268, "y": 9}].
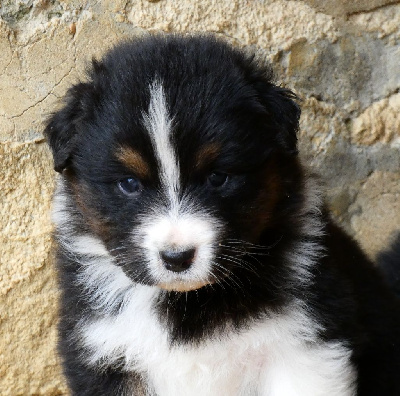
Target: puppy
[{"x": 195, "y": 255}]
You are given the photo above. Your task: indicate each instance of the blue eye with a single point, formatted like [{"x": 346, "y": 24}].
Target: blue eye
[
  {"x": 129, "y": 186},
  {"x": 217, "y": 179}
]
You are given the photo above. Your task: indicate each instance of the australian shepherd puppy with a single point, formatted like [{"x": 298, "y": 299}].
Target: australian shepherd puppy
[{"x": 195, "y": 255}]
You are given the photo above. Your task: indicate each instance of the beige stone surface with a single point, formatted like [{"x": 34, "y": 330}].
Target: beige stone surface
[
  {"x": 28, "y": 291},
  {"x": 376, "y": 210},
  {"x": 345, "y": 7},
  {"x": 270, "y": 24},
  {"x": 379, "y": 122},
  {"x": 341, "y": 57},
  {"x": 383, "y": 22}
]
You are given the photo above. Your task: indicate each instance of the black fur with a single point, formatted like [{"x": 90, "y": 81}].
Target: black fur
[
  {"x": 389, "y": 261},
  {"x": 216, "y": 95}
]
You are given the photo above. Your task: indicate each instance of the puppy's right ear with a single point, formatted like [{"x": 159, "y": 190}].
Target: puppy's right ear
[{"x": 61, "y": 128}]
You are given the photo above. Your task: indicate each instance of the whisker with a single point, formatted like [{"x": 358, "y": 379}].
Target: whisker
[
  {"x": 240, "y": 263},
  {"x": 232, "y": 277},
  {"x": 244, "y": 252},
  {"x": 216, "y": 279},
  {"x": 251, "y": 245}
]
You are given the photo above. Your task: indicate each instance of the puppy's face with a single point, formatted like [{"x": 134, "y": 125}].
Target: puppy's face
[{"x": 172, "y": 155}]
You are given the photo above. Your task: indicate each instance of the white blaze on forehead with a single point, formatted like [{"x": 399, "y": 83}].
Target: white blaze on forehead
[
  {"x": 158, "y": 123},
  {"x": 183, "y": 225}
]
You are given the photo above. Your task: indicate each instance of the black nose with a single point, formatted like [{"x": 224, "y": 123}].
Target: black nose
[{"x": 177, "y": 261}]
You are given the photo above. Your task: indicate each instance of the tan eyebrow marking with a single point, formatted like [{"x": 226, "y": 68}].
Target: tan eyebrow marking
[
  {"x": 206, "y": 154},
  {"x": 134, "y": 161}
]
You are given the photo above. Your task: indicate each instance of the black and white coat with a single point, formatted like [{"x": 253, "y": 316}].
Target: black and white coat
[{"x": 185, "y": 144}]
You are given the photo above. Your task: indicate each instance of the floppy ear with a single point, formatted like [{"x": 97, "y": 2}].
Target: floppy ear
[
  {"x": 281, "y": 103},
  {"x": 61, "y": 129},
  {"x": 283, "y": 112}
]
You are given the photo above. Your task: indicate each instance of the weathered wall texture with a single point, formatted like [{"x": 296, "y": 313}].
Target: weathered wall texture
[{"x": 342, "y": 57}]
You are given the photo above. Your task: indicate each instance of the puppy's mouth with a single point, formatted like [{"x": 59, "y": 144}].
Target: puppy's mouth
[{"x": 184, "y": 286}]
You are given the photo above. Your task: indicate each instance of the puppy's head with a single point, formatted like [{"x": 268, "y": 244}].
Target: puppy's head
[{"x": 175, "y": 154}]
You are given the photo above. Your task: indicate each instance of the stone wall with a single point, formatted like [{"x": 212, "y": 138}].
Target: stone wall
[{"x": 341, "y": 57}]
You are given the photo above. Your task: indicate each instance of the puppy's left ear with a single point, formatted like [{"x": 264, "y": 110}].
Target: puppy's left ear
[
  {"x": 62, "y": 128},
  {"x": 284, "y": 113}
]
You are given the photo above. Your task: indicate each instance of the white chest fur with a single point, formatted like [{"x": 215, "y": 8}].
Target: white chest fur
[{"x": 276, "y": 357}]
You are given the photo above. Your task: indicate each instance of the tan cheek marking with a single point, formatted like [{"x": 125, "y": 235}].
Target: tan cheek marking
[
  {"x": 265, "y": 203},
  {"x": 82, "y": 196},
  {"x": 134, "y": 161},
  {"x": 206, "y": 154}
]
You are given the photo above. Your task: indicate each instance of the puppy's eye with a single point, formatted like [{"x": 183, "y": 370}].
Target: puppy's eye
[
  {"x": 129, "y": 186},
  {"x": 217, "y": 179}
]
